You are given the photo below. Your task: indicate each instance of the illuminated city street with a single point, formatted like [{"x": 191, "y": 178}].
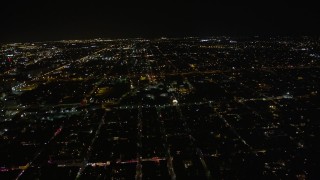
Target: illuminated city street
[{"x": 163, "y": 108}]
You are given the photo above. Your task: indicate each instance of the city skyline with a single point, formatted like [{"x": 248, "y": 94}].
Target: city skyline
[{"x": 26, "y": 21}]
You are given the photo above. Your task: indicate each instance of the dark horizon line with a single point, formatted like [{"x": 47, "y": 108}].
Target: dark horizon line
[{"x": 231, "y": 35}]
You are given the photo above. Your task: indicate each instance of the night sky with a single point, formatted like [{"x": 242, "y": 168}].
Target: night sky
[{"x": 29, "y": 20}]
